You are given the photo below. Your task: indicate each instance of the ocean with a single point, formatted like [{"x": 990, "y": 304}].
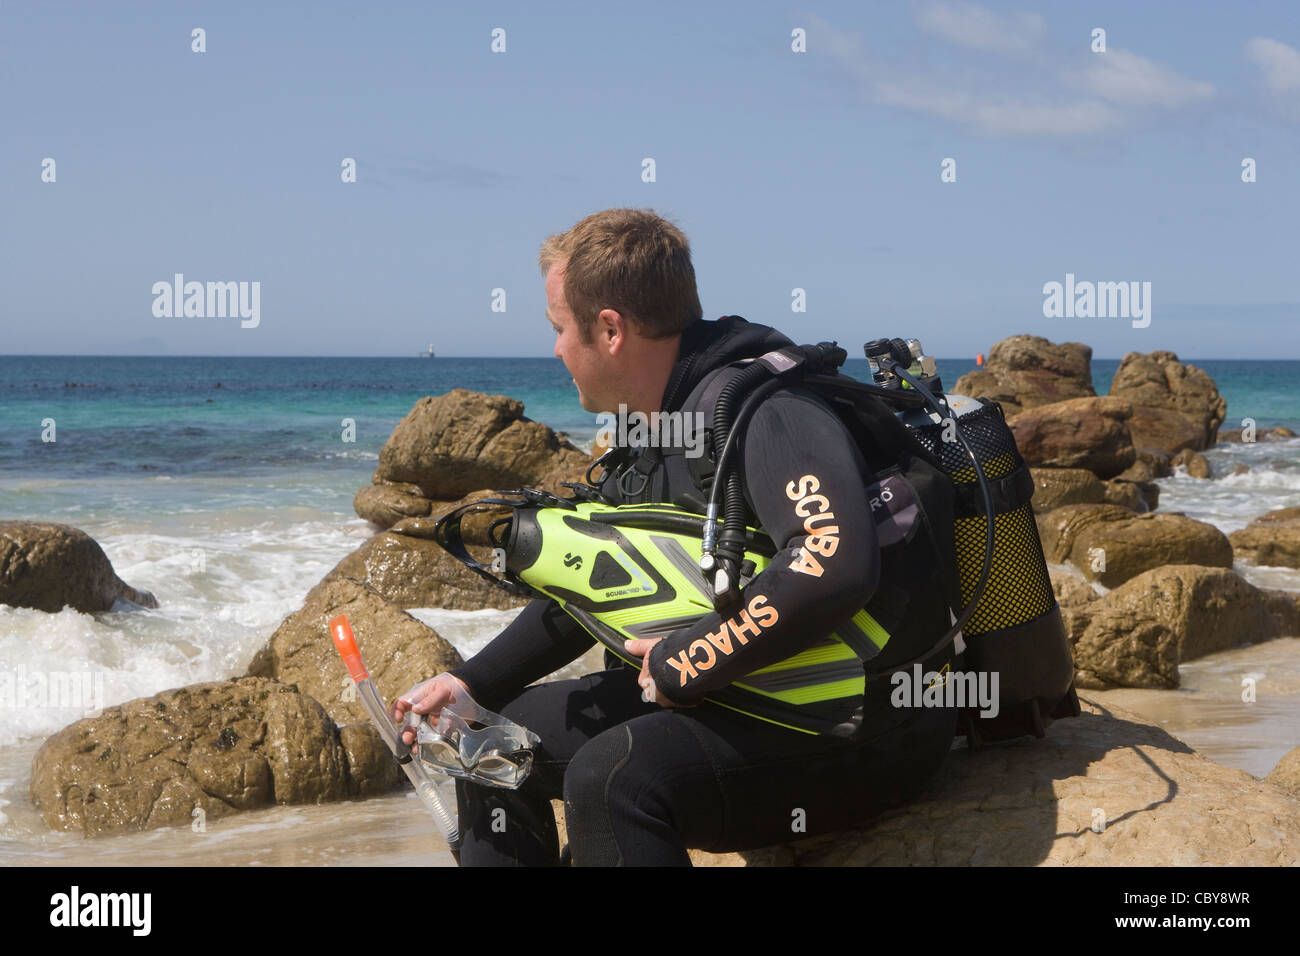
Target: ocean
[{"x": 225, "y": 485}]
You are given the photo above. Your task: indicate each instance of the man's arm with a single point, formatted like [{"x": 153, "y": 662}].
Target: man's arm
[
  {"x": 542, "y": 639},
  {"x": 805, "y": 479}
]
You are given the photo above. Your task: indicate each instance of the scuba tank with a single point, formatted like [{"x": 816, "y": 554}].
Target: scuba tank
[{"x": 1015, "y": 629}]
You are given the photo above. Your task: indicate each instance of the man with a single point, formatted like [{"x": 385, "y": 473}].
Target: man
[{"x": 646, "y": 767}]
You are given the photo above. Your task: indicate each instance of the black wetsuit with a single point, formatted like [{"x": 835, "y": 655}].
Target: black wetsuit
[{"x": 642, "y": 783}]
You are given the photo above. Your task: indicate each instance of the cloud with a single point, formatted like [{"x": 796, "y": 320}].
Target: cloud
[
  {"x": 1099, "y": 98},
  {"x": 449, "y": 172},
  {"x": 968, "y": 24},
  {"x": 1130, "y": 80},
  {"x": 1000, "y": 115},
  {"x": 1279, "y": 63}
]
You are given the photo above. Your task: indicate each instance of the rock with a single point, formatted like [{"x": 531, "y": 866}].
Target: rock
[
  {"x": 1156, "y": 460},
  {"x": 415, "y": 571},
  {"x": 1076, "y": 599},
  {"x": 1138, "y": 471},
  {"x": 1110, "y": 544},
  {"x": 1138, "y": 634},
  {"x": 1150, "y": 492},
  {"x": 220, "y": 747},
  {"x": 399, "y": 650},
  {"x": 385, "y": 503},
  {"x": 1280, "y": 433},
  {"x": 1034, "y": 802},
  {"x": 1126, "y": 494},
  {"x": 1272, "y": 539},
  {"x": 1175, "y": 406},
  {"x": 1054, "y": 487},
  {"x": 1286, "y": 775},
  {"x": 50, "y": 566},
  {"x": 464, "y": 441},
  {"x": 1196, "y": 463},
  {"x": 1090, "y": 433},
  {"x": 1025, "y": 371},
  {"x": 1240, "y": 469}
]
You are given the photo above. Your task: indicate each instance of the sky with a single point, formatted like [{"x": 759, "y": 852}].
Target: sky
[{"x": 799, "y": 147}]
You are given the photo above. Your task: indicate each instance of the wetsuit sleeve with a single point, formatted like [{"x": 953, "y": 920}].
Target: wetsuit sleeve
[
  {"x": 541, "y": 640},
  {"x": 805, "y": 479}
]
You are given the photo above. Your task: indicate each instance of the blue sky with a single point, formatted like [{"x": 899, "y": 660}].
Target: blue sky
[{"x": 817, "y": 170}]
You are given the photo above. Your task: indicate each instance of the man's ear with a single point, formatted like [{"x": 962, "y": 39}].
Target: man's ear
[{"x": 613, "y": 330}]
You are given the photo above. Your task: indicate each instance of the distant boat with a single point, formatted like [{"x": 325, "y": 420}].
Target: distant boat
[{"x": 428, "y": 354}]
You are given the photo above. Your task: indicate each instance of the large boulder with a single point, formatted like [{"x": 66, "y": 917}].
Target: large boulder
[
  {"x": 399, "y": 650},
  {"x": 1272, "y": 539},
  {"x": 450, "y": 445},
  {"x": 1089, "y": 433},
  {"x": 1025, "y": 371},
  {"x": 1056, "y": 487},
  {"x": 1175, "y": 405},
  {"x": 408, "y": 567},
  {"x": 1110, "y": 544},
  {"x": 50, "y": 566},
  {"x": 1138, "y": 634},
  {"x": 217, "y": 748},
  {"x": 1107, "y": 788}
]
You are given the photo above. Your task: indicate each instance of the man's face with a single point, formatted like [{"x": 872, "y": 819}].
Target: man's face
[{"x": 587, "y": 362}]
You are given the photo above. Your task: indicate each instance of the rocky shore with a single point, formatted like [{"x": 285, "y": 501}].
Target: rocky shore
[{"x": 1141, "y": 591}]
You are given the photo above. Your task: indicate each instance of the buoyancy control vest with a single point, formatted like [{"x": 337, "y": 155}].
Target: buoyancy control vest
[{"x": 930, "y": 525}]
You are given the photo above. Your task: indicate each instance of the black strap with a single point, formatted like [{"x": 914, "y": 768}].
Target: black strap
[{"x": 1008, "y": 493}]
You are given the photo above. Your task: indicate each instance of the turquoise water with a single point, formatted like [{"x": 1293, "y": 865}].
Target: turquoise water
[{"x": 120, "y": 416}]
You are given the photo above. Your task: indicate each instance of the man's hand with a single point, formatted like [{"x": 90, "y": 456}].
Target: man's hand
[
  {"x": 641, "y": 648},
  {"x": 427, "y": 699}
]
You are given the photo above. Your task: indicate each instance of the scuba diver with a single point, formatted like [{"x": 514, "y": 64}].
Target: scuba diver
[{"x": 744, "y": 726}]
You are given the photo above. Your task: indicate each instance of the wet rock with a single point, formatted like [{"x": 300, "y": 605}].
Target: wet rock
[
  {"x": 1025, "y": 371},
  {"x": 1055, "y": 487},
  {"x": 1196, "y": 463},
  {"x": 1272, "y": 539},
  {"x": 1035, "y": 802},
  {"x": 416, "y": 571},
  {"x": 1233, "y": 435},
  {"x": 50, "y": 566},
  {"x": 218, "y": 748},
  {"x": 1156, "y": 460},
  {"x": 1088, "y": 433},
  {"x": 1137, "y": 634},
  {"x": 1110, "y": 544},
  {"x": 399, "y": 650},
  {"x": 1175, "y": 405}
]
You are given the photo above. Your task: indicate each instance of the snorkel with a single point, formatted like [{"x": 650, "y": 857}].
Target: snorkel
[{"x": 425, "y": 788}]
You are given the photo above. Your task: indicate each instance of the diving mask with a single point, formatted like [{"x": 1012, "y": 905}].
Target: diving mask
[{"x": 472, "y": 743}]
